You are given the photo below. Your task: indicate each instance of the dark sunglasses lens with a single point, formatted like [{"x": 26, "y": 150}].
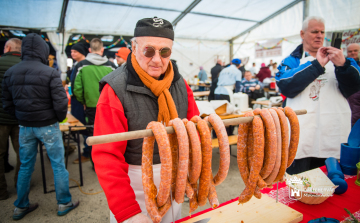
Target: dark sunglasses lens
[
  {"x": 165, "y": 52},
  {"x": 149, "y": 52}
]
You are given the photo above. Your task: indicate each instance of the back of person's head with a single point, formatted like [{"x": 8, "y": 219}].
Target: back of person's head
[
  {"x": 254, "y": 64},
  {"x": 34, "y": 46},
  {"x": 96, "y": 45},
  {"x": 236, "y": 62},
  {"x": 13, "y": 44}
]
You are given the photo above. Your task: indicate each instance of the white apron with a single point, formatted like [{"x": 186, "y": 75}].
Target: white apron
[
  {"x": 327, "y": 122},
  {"x": 230, "y": 89},
  {"x": 136, "y": 183}
]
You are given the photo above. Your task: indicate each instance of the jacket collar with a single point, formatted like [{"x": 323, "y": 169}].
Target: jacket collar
[
  {"x": 134, "y": 79},
  {"x": 12, "y": 53},
  {"x": 298, "y": 52}
]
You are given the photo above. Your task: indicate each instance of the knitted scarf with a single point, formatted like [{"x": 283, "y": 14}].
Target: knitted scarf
[{"x": 160, "y": 88}]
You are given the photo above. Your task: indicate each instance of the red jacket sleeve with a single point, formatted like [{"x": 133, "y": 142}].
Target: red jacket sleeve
[
  {"x": 110, "y": 165},
  {"x": 192, "y": 107}
]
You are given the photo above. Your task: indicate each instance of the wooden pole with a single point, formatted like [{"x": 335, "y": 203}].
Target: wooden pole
[{"x": 95, "y": 140}]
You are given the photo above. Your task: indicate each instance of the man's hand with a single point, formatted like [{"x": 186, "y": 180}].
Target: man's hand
[
  {"x": 251, "y": 88},
  {"x": 139, "y": 218},
  {"x": 257, "y": 87},
  {"x": 336, "y": 56},
  {"x": 322, "y": 57},
  {"x": 84, "y": 107}
]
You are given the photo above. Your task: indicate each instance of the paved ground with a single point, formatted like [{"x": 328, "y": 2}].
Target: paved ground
[{"x": 93, "y": 208}]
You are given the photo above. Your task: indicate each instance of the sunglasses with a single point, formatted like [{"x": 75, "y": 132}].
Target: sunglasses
[{"x": 150, "y": 52}]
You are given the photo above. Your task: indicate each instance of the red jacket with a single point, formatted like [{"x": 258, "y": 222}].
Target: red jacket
[
  {"x": 263, "y": 73},
  {"x": 111, "y": 168}
]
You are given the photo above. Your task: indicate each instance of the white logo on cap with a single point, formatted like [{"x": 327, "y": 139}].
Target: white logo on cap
[{"x": 157, "y": 22}]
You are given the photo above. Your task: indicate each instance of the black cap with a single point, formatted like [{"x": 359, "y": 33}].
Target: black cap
[
  {"x": 154, "y": 27},
  {"x": 81, "y": 48}
]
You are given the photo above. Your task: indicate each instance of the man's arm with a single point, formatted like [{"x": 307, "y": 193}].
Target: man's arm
[
  {"x": 293, "y": 78},
  {"x": 111, "y": 167},
  {"x": 79, "y": 88},
  {"x": 192, "y": 107},
  {"x": 58, "y": 95},
  {"x": 348, "y": 77},
  {"x": 7, "y": 100}
]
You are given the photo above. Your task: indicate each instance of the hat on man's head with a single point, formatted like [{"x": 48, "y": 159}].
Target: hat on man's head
[
  {"x": 236, "y": 61},
  {"x": 154, "y": 27},
  {"x": 123, "y": 52},
  {"x": 81, "y": 48}
]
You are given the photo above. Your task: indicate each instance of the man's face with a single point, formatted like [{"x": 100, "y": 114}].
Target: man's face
[
  {"x": 248, "y": 76},
  {"x": 353, "y": 51},
  {"x": 156, "y": 65},
  {"x": 119, "y": 60},
  {"x": 76, "y": 55},
  {"x": 313, "y": 37}
]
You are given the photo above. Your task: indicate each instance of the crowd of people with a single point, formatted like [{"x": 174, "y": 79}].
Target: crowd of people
[{"x": 147, "y": 86}]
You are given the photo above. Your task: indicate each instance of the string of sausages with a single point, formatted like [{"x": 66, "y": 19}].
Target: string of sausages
[
  {"x": 185, "y": 164},
  {"x": 263, "y": 149}
]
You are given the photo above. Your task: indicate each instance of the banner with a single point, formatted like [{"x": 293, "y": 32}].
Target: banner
[{"x": 270, "y": 48}]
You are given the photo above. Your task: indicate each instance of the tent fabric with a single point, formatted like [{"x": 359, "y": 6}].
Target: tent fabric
[
  {"x": 38, "y": 14},
  {"x": 56, "y": 40},
  {"x": 199, "y": 38}
]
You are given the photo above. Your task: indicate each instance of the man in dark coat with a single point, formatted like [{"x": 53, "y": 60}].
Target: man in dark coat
[
  {"x": 33, "y": 93},
  {"x": 9, "y": 126},
  {"x": 215, "y": 71}
]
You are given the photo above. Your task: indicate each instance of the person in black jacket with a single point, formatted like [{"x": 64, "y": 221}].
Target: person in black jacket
[
  {"x": 33, "y": 93},
  {"x": 9, "y": 126},
  {"x": 214, "y": 78}
]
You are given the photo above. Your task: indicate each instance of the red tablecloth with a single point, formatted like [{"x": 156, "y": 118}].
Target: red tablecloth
[{"x": 333, "y": 207}]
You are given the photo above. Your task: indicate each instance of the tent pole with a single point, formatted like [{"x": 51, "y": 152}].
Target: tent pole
[
  {"x": 231, "y": 45},
  {"x": 306, "y": 9}
]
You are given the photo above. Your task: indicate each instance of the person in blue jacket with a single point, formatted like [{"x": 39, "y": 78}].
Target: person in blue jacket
[{"x": 318, "y": 79}]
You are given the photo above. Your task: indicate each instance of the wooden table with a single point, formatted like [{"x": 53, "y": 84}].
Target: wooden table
[
  {"x": 71, "y": 122},
  {"x": 201, "y": 93},
  {"x": 266, "y": 103},
  {"x": 254, "y": 211}
]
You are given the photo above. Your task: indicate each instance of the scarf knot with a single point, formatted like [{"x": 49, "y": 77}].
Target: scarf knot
[{"x": 167, "y": 108}]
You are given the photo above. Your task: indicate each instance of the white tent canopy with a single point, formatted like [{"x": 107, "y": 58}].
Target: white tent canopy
[{"x": 203, "y": 28}]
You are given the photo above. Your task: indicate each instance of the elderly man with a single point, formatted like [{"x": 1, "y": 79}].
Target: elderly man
[
  {"x": 318, "y": 79},
  {"x": 9, "y": 126},
  {"x": 249, "y": 86},
  {"x": 354, "y": 100},
  {"x": 228, "y": 77},
  {"x": 121, "y": 55},
  {"x": 147, "y": 88},
  {"x": 353, "y": 52}
]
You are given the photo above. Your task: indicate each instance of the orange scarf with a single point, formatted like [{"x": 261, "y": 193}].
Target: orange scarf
[{"x": 160, "y": 88}]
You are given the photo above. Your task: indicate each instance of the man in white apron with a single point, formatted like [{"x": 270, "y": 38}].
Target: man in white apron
[
  {"x": 229, "y": 77},
  {"x": 318, "y": 79}
]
